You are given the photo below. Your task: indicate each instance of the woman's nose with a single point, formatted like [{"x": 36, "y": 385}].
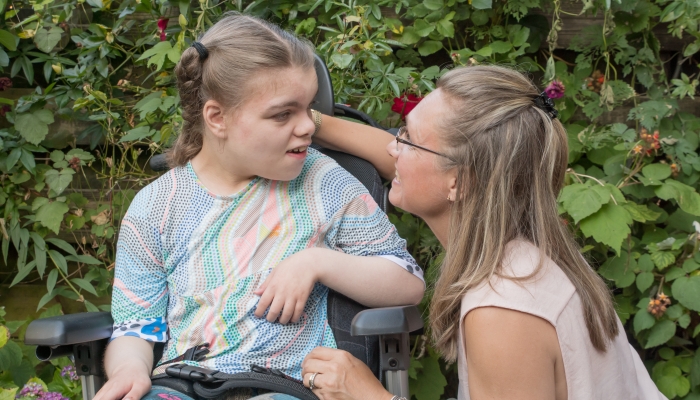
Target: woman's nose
[{"x": 306, "y": 127}]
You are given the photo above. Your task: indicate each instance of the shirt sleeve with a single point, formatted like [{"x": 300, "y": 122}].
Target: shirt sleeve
[
  {"x": 139, "y": 295},
  {"x": 360, "y": 227}
]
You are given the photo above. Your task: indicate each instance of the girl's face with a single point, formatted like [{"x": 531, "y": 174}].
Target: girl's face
[
  {"x": 269, "y": 133},
  {"x": 421, "y": 187}
]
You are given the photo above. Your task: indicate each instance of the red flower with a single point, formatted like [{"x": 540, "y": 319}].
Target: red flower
[
  {"x": 404, "y": 105},
  {"x": 162, "y": 24}
]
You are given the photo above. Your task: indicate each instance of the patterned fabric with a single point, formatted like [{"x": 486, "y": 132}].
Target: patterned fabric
[
  {"x": 188, "y": 262},
  {"x": 164, "y": 393}
]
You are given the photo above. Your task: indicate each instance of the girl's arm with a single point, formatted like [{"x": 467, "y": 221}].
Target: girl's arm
[
  {"x": 359, "y": 140},
  {"x": 128, "y": 363},
  {"x": 372, "y": 281}
]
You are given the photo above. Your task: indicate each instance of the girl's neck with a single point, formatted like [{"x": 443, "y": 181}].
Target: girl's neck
[{"x": 219, "y": 173}]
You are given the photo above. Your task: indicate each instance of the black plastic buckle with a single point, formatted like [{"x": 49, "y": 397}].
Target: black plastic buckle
[
  {"x": 196, "y": 353},
  {"x": 272, "y": 371},
  {"x": 192, "y": 373}
]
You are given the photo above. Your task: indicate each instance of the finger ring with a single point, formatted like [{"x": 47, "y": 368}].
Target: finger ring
[{"x": 311, "y": 381}]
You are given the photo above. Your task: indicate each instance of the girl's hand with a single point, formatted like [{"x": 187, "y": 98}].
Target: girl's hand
[
  {"x": 340, "y": 376},
  {"x": 288, "y": 287},
  {"x": 127, "y": 384}
]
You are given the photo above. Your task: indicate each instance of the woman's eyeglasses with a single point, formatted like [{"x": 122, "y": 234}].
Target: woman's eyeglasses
[{"x": 401, "y": 134}]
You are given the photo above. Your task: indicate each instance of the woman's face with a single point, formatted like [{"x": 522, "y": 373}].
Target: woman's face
[
  {"x": 421, "y": 187},
  {"x": 269, "y": 133}
]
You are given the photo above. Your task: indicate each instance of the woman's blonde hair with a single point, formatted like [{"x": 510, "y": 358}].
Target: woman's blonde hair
[
  {"x": 511, "y": 159},
  {"x": 238, "y": 47}
]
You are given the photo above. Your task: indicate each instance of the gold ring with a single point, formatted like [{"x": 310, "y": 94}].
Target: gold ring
[{"x": 311, "y": 381}]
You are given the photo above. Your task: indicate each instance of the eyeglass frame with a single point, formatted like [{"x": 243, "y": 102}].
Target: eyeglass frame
[{"x": 401, "y": 131}]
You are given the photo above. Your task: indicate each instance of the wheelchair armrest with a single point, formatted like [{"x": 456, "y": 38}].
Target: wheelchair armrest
[
  {"x": 386, "y": 321},
  {"x": 69, "y": 329}
]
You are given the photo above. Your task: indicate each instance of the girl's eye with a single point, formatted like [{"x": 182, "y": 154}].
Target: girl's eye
[{"x": 282, "y": 116}]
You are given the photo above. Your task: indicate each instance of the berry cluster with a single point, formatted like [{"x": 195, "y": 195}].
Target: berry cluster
[
  {"x": 595, "y": 81},
  {"x": 657, "y": 306},
  {"x": 651, "y": 142}
]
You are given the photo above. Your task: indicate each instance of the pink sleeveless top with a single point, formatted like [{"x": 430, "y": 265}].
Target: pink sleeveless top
[{"x": 617, "y": 373}]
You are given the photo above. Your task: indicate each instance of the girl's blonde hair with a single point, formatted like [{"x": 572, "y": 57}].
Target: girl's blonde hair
[
  {"x": 238, "y": 47},
  {"x": 511, "y": 159}
]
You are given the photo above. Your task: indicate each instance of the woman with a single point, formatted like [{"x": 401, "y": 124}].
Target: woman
[
  {"x": 481, "y": 160},
  {"x": 231, "y": 253}
]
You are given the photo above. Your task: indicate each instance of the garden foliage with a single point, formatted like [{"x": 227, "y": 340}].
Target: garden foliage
[{"x": 102, "y": 71}]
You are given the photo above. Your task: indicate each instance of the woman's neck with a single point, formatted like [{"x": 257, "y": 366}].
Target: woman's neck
[
  {"x": 440, "y": 225},
  {"x": 218, "y": 173}
]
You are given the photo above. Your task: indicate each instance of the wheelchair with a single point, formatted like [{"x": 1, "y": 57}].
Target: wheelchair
[{"x": 379, "y": 337}]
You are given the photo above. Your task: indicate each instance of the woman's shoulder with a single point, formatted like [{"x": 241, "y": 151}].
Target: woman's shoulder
[{"x": 524, "y": 284}]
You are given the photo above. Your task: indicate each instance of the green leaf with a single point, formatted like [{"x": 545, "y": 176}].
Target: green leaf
[
  {"x": 8, "y": 394},
  {"x": 482, "y": 4},
  {"x": 63, "y": 245},
  {"x": 657, "y": 171},
  {"x": 10, "y": 356},
  {"x": 51, "y": 214},
  {"x": 662, "y": 259},
  {"x": 59, "y": 181},
  {"x": 85, "y": 285},
  {"x": 58, "y": 260},
  {"x": 341, "y": 60},
  {"x": 12, "y": 159},
  {"x": 610, "y": 226},
  {"x": 673, "y": 274},
  {"x": 423, "y": 27},
  {"x": 643, "y": 320},
  {"x": 644, "y": 281},
  {"x": 158, "y": 53},
  {"x": 139, "y": 133},
  {"x": 688, "y": 199},
  {"x": 580, "y": 200},
  {"x": 690, "y": 266},
  {"x": 620, "y": 269},
  {"x": 687, "y": 291},
  {"x": 430, "y": 382},
  {"x": 433, "y": 5},
  {"x": 500, "y": 47},
  {"x": 46, "y": 298},
  {"x": 8, "y": 40},
  {"x": 640, "y": 212},
  {"x": 4, "y": 334},
  {"x": 695, "y": 369},
  {"x": 85, "y": 259},
  {"x": 429, "y": 47},
  {"x": 51, "y": 280},
  {"x": 446, "y": 28},
  {"x": 661, "y": 333},
  {"x": 23, "y": 272},
  {"x": 90, "y": 307},
  {"x": 47, "y": 39},
  {"x": 34, "y": 126},
  {"x": 684, "y": 321}
]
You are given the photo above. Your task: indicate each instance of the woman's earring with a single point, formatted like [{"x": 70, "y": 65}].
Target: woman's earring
[{"x": 448, "y": 198}]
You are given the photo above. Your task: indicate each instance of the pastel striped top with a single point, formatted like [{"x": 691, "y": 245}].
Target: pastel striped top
[{"x": 188, "y": 262}]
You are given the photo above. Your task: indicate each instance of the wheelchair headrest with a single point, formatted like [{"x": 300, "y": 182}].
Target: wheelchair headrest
[{"x": 324, "y": 97}]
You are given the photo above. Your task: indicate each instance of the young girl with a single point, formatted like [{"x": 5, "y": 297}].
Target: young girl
[{"x": 237, "y": 245}]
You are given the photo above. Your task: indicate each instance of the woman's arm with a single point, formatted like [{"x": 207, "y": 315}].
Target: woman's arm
[
  {"x": 359, "y": 140},
  {"x": 372, "y": 281},
  {"x": 128, "y": 363},
  {"x": 510, "y": 355}
]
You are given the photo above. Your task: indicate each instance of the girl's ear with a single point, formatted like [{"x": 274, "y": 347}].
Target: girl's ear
[{"x": 214, "y": 120}]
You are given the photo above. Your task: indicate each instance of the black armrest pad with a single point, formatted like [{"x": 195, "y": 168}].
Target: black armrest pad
[
  {"x": 386, "y": 321},
  {"x": 69, "y": 329}
]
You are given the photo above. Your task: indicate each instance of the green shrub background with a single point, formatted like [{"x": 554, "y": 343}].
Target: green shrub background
[{"x": 92, "y": 98}]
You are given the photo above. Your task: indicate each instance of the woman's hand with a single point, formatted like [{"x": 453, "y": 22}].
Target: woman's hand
[
  {"x": 340, "y": 376},
  {"x": 288, "y": 287},
  {"x": 128, "y": 362}
]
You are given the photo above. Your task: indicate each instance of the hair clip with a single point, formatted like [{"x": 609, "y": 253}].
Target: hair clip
[
  {"x": 203, "y": 53},
  {"x": 546, "y": 104}
]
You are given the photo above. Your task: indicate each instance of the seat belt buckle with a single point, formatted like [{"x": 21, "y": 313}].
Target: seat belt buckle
[
  {"x": 192, "y": 373},
  {"x": 272, "y": 371}
]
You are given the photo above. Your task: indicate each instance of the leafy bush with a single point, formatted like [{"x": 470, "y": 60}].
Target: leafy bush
[{"x": 99, "y": 100}]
